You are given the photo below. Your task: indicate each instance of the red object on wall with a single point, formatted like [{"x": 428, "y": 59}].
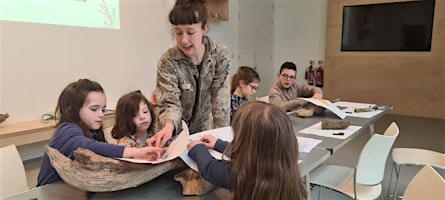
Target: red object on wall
[
  {"x": 319, "y": 73},
  {"x": 310, "y": 73}
]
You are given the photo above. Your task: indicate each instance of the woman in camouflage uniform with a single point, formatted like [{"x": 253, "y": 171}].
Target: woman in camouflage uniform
[{"x": 192, "y": 83}]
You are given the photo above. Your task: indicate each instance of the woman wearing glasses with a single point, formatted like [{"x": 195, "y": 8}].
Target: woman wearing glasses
[
  {"x": 286, "y": 91},
  {"x": 243, "y": 86}
]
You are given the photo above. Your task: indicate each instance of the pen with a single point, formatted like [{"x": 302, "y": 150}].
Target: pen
[
  {"x": 339, "y": 133},
  {"x": 379, "y": 107}
]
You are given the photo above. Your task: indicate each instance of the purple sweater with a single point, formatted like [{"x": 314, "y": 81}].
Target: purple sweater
[
  {"x": 68, "y": 138},
  {"x": 215, "y": 171}
]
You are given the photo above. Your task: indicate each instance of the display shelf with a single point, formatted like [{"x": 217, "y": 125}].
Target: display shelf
[{"x": 218, "y": 10}]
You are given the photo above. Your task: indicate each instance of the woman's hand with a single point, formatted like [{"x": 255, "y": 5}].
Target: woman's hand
[{"x": 161, "y": 137}]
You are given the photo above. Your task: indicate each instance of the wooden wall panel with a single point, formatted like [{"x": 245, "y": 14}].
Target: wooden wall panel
[{"x": 412, "y": 82}]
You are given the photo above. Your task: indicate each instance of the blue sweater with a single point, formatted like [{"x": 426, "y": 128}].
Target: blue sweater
[
  {"x": 215, "y": 171},
  {"x": 68, "y": 138}
]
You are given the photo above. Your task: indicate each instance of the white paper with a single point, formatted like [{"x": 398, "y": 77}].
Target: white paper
[
  {"x": 305, "y": 145},
  {"x": 326, "y": 104},
  {"x": 350, "y": 106},
  {"x": 224, "y": 133},
  {"x": 316, "y": 130},
  {"x": 353, "y": 104},
  {"x": 173, "y": 151}
]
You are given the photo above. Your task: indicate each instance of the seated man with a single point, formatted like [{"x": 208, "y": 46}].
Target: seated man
[{"x": 286, "y": 91}]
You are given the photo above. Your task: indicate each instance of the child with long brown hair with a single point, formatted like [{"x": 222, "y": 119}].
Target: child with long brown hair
[
  {"x": 243, "y": 85},
  {"x": 80, "y": 113},
  {"x": 263, "y": 155},
  {"x": 134, "y": 120}
]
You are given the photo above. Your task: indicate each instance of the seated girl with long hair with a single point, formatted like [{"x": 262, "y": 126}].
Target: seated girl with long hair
[{"x": 263, "y": 155}]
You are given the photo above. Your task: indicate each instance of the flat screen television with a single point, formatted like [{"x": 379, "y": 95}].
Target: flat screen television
[{"x": 400, "y": 26}]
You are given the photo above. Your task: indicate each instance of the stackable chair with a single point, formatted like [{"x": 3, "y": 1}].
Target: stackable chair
[
  {"x": 12, "y": 171},
  {"x": 363, "y": 181},
  {"x": 413, "y": 156},
  {"x": 426, "y": 184}
]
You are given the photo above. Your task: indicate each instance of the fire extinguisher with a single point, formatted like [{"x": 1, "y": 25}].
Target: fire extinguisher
[
  {"x": 310, "y": 73},
  {"x": 319, "y": 72},
  {"x": 154, "y": 98}
]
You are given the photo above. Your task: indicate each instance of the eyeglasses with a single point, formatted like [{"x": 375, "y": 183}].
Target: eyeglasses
[
  {"x": 253, "y": 87},
  {"x": 287, "y": 77}
]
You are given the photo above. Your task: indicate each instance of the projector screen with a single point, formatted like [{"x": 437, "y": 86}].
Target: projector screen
[{"x": 84, "y": 13}]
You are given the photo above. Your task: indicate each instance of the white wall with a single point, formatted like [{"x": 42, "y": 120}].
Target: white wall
[
  {"x": 300, "y": 29},
  {"x": 37, "y": 61},
  {"x": 256, "y": 40},
  {"x": 226, "y": 32}
]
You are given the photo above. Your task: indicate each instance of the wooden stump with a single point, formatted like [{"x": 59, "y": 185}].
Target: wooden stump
[
  {"x": 95, "y": 173},
  {"x": 192, "y": 183}
]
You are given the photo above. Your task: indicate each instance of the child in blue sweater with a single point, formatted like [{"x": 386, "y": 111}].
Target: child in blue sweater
[
  {"x": 263, "y": 155},
  {"x": 80, "y": 109}
]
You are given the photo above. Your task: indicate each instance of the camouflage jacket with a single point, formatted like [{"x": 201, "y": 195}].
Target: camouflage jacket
[{"x": 176, "y": 89}]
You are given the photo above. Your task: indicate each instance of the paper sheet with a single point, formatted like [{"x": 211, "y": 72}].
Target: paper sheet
[
  {"x": 305, "y": 145},
  {"x": 226, "y": 133},
  {"x": 350, "y": 106},
  {"x": 328, "y": 105},
  {"x": 173, "y": 151},
  {"x": 316, "y": 130},
  {"x": 353, "y": 104}
]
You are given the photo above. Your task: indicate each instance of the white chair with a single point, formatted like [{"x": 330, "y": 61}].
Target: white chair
[
  {"x": 263, "y": 99},
  {"x": 13, "y": 175},
  {"x": 426, "y": 184},
  {"x": 363, "y": 181},
  {"x": 413, "y": 156}
]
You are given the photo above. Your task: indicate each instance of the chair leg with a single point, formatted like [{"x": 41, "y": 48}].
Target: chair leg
[
  {"x": 397, "y": 181},
  {"x": 371, "y": 130},
  {"x": 390, "y": 178},
  {"x": 319, "y": 191}
]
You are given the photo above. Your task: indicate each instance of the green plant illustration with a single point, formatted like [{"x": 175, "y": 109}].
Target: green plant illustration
[{"x": 109, "y": 16}]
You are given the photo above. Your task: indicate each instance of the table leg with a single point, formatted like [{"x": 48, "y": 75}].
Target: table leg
[{"x": 308, "y": 186}]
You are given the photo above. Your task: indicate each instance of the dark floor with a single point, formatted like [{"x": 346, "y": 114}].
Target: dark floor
[{"x": 415, "y": 132}]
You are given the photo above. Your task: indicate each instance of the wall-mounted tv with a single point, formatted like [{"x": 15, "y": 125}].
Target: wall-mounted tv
[{"x": 400, "y": 26}]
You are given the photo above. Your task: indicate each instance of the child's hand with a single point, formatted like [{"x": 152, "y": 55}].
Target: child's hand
[
  {"x": 209, "y": 141},
  {"x": 191, "y": 144},
  {"x": 317, "y": 96},
  {"x": 149, "y": 153}
]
